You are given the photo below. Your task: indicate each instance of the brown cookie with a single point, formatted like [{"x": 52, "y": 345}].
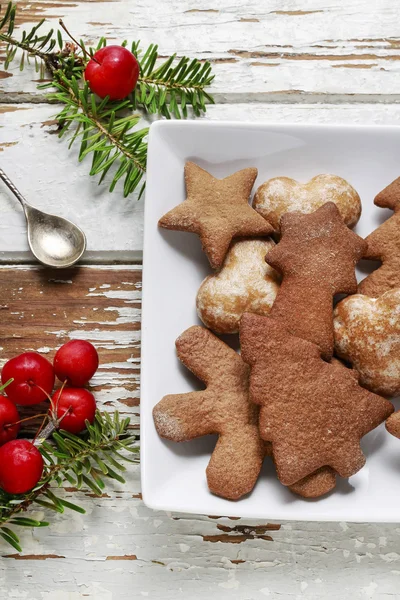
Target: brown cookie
[
  {"x": 393, "y": 424},
  {"x": 315, "y": 485},
  {"x": 384, "y": 245},
  {"x": 367, "y": 334},
  {"x": 245, "y": 283},
  {"x": 313, "y": 412},
  {"x": 223, "y": 408},
  {"x": 322, "y": 481},
  {"x": 281, "y": 195},
  {"x": 217, "y": 210},
  {"x": 316, "y": 256},
  {"x": 319, "y": 483}
]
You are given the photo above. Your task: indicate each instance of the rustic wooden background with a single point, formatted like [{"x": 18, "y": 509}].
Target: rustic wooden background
[{"x": 275, "y": 60}]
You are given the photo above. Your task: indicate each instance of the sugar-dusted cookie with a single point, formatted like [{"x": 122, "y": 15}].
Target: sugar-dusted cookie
[
  {"x": 281, "y": 195},
  {"x": 223, "y": 408},
  {"x": 393, "y": 424},
  {"x": 317, "y": 255},
  {"x": 217, "y": 210},
  {"x": 245, "y": 283},
  {"x": 313, "y": 412},
  {"x": 367, "y": 334},
  {"x": 384, "y": 245}
]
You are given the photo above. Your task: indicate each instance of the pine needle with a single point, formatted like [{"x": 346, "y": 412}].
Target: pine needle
[
  {"x": 109, "y": 131},
  {"x": 96, "y": 453}
]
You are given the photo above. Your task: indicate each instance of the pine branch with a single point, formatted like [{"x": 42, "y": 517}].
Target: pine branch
[
  {"x": 85, "y": 460},
  {"x": 171, "y": 88},
  {"x": 39, "y": 47},
  {"x": 105, "y": 129},
  {"x": 109, "y": 137}
]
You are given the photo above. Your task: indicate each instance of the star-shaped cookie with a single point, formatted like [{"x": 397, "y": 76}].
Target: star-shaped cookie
[
  {"x": 313, "y": 412},
  {"x": 317, "y": 255},
  {"x": 217, "y": 210},
  {"x": 384, "y": 245}
]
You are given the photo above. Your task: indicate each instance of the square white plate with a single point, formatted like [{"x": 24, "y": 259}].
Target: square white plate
[{"x": 173, "y": 475}]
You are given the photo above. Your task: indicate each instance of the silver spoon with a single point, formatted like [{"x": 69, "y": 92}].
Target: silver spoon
[{"x": 54, "y": 241}]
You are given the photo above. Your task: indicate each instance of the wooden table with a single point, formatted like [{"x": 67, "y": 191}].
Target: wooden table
[{"x": 292, "y": 60}]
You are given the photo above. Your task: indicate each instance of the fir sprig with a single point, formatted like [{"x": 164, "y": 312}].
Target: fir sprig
[
  {"x": 86, "y": 460},
  {"x": 171, "y": 88},
  {"x": 103, "y": 132},
  {"x": 33, "y": 45},
  {"x": 107, "y": 130}
]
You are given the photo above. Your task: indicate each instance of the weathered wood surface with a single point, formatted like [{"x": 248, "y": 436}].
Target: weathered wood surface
[
  {"x": 121, "y": 550},
  {"x": 302, "y": 51},
  {"x": 50, "y": 175},
  {"x": 292, "y": 61},
  {"x": 292, "y": 50}
]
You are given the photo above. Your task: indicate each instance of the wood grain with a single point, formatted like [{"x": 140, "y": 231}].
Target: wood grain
[
  {"x": 343, "y": 49},
  {"x": 40, "y": 309}
]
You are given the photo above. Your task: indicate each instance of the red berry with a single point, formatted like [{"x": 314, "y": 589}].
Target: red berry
[
  {"x": 80, "y": 405},
  {"x": 29, "y": 370},
  {"x": 8, "y": 415},
  {"x": 76, "y": 362},
  {"x": 113, "y": 71},
  {"x": 21, "y": 466}
]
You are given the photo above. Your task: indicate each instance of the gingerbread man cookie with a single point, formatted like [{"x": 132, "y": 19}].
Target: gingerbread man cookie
[
  {"x": 304, "y": 402},
  {"x": 217, "y": 210},
  {"x": 281, "y": 195},
  {"x": 317, "y": 255},
  {"x": 367, "y": 334},
  {"x": 246, "y": 283},
  {"x": 223, "y": 408},
  {"x": 384, "y": 245}
]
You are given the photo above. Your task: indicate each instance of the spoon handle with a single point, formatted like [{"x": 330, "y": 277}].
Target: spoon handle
[{"x": 12, "y": 187}]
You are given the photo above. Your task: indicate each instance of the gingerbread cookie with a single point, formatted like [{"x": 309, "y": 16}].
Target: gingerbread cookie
[
  {"x": 322, "y": 481},
  {"x": 367, "y": 334},
  {"x": 246, "y": 283},
  {"x": 223, "y": 408},
  {"x": 217, "y": 210},
  {"x": 318, "y": 484},
  {"x": 281, "y": 195},
  {"x": 305, "y": 409},
  {"x": 384, "y": 245},
  {"x": 317, "y": 255},
  {"x": 393, "y": 424}
]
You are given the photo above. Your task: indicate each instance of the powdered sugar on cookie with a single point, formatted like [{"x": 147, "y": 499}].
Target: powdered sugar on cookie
[
  {"x": 367, "y": 333},
  {"x": 246, "y": 283},
  {"x": 281, "y": 195}
]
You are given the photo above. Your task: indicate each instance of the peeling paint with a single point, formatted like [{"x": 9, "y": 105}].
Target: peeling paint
[
  {"x": 308, "y": 56},
  {"x": 32, "y": 556},
  {"x": 295, "y": 13},
  {"x": 202, "y": 10},
  {"x": 7, "y": 145}
]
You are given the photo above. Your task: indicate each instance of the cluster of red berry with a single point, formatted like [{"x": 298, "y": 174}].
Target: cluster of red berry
[{"x": 32, "y": 380}]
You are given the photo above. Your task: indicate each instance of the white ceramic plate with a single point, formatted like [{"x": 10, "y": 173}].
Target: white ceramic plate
[{"x": 173, "y": 475}]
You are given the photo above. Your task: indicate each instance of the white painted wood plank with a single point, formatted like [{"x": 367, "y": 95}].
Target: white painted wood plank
[
  {"x": 261, "y": 50},
  {"x": 122, "y": 550},
  {"x": 50, "y": 176}
]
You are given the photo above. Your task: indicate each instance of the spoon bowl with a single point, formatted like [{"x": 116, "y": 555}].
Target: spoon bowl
[{"x": 54, "y": 241}]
